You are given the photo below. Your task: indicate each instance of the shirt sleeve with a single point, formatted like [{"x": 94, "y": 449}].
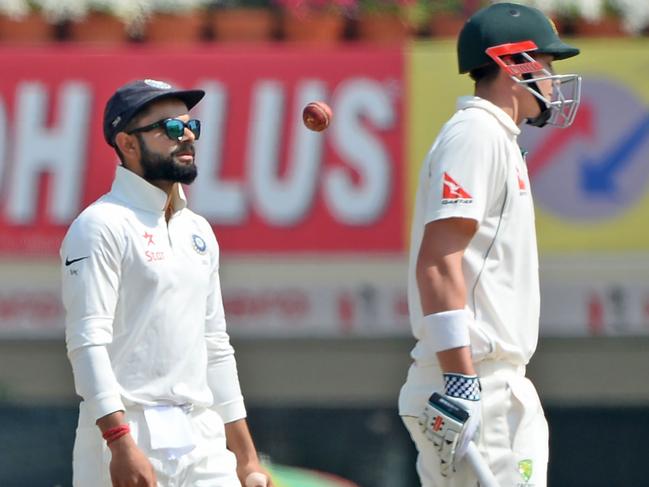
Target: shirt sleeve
[
  {"x": 463, "y": 173},
  {"x": 95, "y": 381},
  {"x": 91, "y": 258},
  {"x": 222, "y": 375}
]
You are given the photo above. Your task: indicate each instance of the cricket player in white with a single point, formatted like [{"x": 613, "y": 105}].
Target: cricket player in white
[
  {"x": 473, "y": 279},
  {"x": 145, "y": 326}
]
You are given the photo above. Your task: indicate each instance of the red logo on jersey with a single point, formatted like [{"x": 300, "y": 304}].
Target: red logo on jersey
[
  {"x": 453, "y": 192},
  {"x": 152, "y": 256},
  {"x": 149, "y": 237},
  {"x": 521, "y": 181}
]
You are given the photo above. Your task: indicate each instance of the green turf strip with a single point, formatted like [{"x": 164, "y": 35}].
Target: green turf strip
[{"x": 297, "y": 477}]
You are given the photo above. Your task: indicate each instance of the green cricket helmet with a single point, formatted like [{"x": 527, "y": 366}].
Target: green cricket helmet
[
  {"x": 505, "y": 23},
  {"x": 506, "y": 34}
]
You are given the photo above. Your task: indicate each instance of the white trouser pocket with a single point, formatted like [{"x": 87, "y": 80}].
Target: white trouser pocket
[
  {"x": 169, "y": 430},
  {"x": 530, "y": 428}
]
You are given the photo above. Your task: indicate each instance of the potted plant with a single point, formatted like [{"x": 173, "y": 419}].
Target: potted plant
[
  {"x": 605, "y": 22},
  {"x": 109, "y": 21},
  {"x": 19, "y": 23},
  {"x": 321, "y": 21},
  {"x": 385, "y": 20},
  {"x": 589, "y": 18},
  {"x": 445, "y": 18},
  {"x": 243, "y": 20},
  {"x": 175, "y": 22},
  {"x": 58, "y": 12},
  {"x": 633, "y": 13}
]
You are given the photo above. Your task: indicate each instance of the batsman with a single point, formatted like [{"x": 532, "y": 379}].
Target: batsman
[{"x": 473, "y": 289}]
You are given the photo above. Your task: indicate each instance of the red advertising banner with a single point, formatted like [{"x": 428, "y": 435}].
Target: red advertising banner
[{"x": 266, "y": 183}]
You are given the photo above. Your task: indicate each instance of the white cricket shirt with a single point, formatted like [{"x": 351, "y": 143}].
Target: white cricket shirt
[
  {"x": 148, "y": 292},
  {"x": 475, "y": 170}
]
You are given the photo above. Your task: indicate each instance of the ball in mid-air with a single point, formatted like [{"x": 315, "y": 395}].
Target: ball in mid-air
[{"x": 317, "y": 116}]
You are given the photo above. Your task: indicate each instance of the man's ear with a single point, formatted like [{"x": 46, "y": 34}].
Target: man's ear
[{"x": 126, "y": 144}]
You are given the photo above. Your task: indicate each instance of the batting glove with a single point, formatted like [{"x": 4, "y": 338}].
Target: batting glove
[{"x": 451, "y": 421}]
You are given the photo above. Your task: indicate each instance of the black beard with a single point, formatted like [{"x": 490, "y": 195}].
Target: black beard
[{"x": 156, "y": 167}]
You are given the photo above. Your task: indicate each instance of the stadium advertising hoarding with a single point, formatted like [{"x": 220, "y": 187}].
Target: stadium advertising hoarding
[
  {"x": 591, "y": 181},
  {"x": 267, "y": 184},
  {"x": 337, "y": 199}
]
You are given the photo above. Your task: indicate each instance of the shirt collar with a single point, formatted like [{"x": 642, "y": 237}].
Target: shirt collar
[
  {"x": 138, "y": 192},
  {"x": 497, "y": 112}
]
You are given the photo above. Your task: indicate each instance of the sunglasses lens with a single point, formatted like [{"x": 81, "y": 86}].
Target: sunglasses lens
[
  {"x": 195, "y": 126},
  {"x": 174, "y": 128}
]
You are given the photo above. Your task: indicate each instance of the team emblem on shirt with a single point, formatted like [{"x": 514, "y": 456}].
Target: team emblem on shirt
[
  {"x": 453, "y": 193},
  {"x": 525, "y": 470},
  {"x": 199, "y": 244}
]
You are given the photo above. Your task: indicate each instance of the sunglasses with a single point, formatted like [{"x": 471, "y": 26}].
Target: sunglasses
[{"x": 173, "y": 127}]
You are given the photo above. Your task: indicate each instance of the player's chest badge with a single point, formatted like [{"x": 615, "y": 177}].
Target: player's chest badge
[
  {"x": 199, "y": 244},
  {"x": 525, "y": 469},
  {"x": 522, "y": 184}
]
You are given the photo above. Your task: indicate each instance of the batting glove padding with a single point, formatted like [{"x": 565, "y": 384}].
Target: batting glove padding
[{"x": 451, "y": 421}]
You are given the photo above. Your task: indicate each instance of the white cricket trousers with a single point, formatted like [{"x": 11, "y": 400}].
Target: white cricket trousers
[
  {"x": 209, "y": 464},
  {"x": 513, "y": 436}
]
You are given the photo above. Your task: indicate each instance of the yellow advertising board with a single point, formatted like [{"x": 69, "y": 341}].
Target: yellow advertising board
[{"x": 591, "y": 181}]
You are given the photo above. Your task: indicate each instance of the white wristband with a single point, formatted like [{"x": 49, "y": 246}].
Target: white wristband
[{"x": 447, "y": 329}]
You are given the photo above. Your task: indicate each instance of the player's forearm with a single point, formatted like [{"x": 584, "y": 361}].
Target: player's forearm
[
  {"x": 440, "y": 279},
  {"x": 446, "y": 292},
  {"x": 439, "y": 264},
  {"x": 240, "y": 442},
  {"x": 442, "y": 288},
  {"x": 111, "y": 421},
  {"x": 456, "y": 360}
]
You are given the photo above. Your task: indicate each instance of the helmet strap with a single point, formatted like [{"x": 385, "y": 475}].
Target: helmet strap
[{"x": 541, "y": 120}]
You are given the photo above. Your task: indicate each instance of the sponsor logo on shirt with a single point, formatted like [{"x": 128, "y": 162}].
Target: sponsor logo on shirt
[
  {"x": 199, "y": 244},
  {"x": 453, "y": 193},
  {"x": 152, "y": 256},
  {"x": 522, "y": 187},
  {"x": 69, "y": 262},
  {"x": 149, "y": 238}
]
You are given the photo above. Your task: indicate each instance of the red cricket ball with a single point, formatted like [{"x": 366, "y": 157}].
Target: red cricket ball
[{"x": 317, "y": 116}]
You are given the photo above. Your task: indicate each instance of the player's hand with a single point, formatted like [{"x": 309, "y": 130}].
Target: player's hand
[
  {"x": 451, "y": 421},
  {"x": 249, "y": 475},
  {"x": 129, "y": 467}
]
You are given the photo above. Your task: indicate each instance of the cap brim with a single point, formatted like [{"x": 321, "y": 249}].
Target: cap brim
[
  {"x": 189, "y": 97},
  {"x": 559, "y": 50}
]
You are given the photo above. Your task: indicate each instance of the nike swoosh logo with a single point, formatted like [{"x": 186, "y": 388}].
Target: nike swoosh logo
[{"x": 70, "y": 262}]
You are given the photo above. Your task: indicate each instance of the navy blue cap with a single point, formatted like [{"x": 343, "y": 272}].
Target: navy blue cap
[{"x": 129, "y": 99}]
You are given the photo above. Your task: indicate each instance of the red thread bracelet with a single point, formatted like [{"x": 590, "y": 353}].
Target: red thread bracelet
[{"x": 115, "y": 433}]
